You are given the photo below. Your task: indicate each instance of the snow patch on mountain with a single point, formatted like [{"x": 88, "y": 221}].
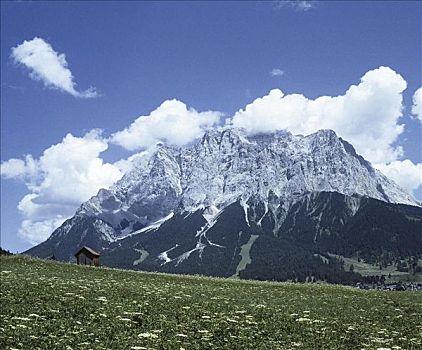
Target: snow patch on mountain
[
  {"x": 164, "y": 255},
  {"x": 153, "y": 227}
]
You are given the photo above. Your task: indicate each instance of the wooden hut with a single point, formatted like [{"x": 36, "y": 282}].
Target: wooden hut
[{"x": 87, "y": 256}]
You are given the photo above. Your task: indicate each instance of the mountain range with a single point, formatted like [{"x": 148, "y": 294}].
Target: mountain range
[{"x": 270, "y": 206}]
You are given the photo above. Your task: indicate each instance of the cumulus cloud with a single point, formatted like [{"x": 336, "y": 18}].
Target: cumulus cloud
[
  {"x": 72, "y": 169},
  {"x": 13, "y": 168},
  {"x": 19, "y": 168},
  {"x": 405, "y": 173},
  {"x": 367, "y": 115},
  {"x": 48, "y": 66},
  {"x": 38, "y": 231},
  {"x": 277, "y": 72},
  {"x": 66, "y": 175},
  {"x": 417, "y": 104},
  {"x": 172, "y": 122},
  {"x": 296, "y": 5}
]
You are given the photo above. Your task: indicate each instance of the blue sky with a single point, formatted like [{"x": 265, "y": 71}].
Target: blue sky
[{"x": 210, "y": 55}]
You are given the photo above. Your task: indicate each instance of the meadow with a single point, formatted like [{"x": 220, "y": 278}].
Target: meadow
[{"x": 51, "y": 305}]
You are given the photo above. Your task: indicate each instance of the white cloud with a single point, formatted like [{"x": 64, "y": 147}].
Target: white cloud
[
  {"x": 36, "y": 232},
  {"x": 277, "y": 72},
  {"x": 49, "y": 66},
  {"x": 19, "y": 168},
  {"x": 66, "y": 175},
  {"x": 405, "y": 173},
  {"x": 367, "y": 115},
  {"x": 417, "y": 104},
  {"x": 73, "y": 170},
  {"x": 171, "y": 122},
  {"x": 13, "y": 168},
  {"x": 297, "y": 5}
]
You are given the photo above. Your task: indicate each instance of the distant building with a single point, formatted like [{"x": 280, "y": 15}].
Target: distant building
[{"x": 87, "y": 256}]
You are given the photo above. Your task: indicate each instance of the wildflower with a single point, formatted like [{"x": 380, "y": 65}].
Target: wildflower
[
  {"x": 21, "y": 318},
  {"x": 147, "y": 335}
]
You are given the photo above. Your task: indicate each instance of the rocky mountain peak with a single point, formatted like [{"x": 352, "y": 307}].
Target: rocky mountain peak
[{"x": 227, "y": 165}]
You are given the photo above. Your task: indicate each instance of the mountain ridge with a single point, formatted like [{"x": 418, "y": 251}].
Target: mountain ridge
[
  {"x": 267, "y": 177},
  {"x": 180, "y": 175}
]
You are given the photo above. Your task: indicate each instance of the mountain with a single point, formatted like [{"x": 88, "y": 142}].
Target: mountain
[{"x": 269, "y": 206}]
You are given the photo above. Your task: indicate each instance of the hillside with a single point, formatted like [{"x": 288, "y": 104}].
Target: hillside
[{"x": 51, "y": 305}]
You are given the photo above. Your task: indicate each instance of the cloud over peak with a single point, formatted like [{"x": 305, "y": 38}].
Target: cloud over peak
[
  {"x": 172, "y": 122},
  {"x": 48, "y": 66},
  {"x": 376, "y": 103}
]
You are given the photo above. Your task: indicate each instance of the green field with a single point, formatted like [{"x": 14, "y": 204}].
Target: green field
[
  {"x": 50, "y": 305},
  {"x": 373, "y": 270}
]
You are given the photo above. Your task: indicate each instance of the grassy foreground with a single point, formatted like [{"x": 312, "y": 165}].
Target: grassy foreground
[{"x": 49, "y": 305}]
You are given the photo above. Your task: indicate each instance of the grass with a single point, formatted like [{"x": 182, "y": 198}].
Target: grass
[{"x": 50, "y": 305}]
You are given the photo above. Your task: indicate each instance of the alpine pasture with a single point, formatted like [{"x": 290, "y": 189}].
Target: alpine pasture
[{"x": 51, "y": 305}]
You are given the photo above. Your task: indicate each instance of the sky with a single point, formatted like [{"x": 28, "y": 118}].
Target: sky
[{"x": 87, "y": 87}]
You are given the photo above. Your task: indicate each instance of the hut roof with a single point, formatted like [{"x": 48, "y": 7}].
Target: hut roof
[{"x": 93, "y": 252}]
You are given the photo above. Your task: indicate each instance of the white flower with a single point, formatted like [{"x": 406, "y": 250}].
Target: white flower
[{"x": 147, "y": 335}]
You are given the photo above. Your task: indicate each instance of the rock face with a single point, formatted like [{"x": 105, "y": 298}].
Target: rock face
[{"x": 234, "y": 199}]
